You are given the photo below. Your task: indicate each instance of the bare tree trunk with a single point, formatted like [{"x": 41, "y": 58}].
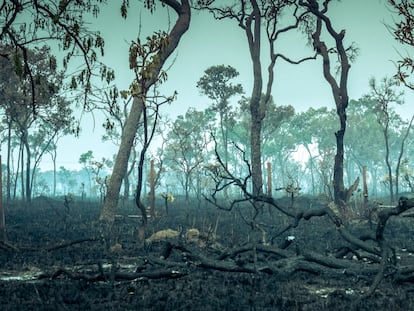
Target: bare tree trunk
[
  {"x": 8, "y": 181},
  {"x": 127, "y": 184},
  {"x": 311, "y": 167},
  {"x": 256, "y": 156},
  {"x": 388, "y": 163},
  {"x": 152, "y": 189},
  {"x": 28, "y": 168},
  {"x": 22, "y": 169},
  {"x": 256, "y": 111},
  {"x": 365, "y": 191},
  {"x": 338, "y": 179},
  {"x": 55, "y": 172},
  {"x": 269, "y": 179},
  {"x": 3, "y": 236}
]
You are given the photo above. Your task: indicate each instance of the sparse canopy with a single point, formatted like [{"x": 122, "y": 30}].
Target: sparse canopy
[
  {"x": 403, "y": 31},
  {"x": 216, "y": 85},
  {"x": 25, "y": 24},
  {"x": 256, "y": 18}
]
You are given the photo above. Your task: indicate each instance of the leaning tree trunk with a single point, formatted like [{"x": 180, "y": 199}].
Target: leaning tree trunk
[{"x": 121, "y": 162}]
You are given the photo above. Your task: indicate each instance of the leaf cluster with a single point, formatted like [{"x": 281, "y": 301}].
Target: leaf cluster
[
  {"x": 25, "y": 24},
  {"x": 144, "y": 60},
  {"x": 403, "y": 31},
  {"x": 216, "y": 85}
]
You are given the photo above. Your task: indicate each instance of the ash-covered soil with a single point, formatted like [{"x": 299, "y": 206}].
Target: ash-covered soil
[{"x": 59, "y": 258}]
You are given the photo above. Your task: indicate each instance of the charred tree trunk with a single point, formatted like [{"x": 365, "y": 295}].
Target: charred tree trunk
[
  {"x": 8, "y": 181},
  {"x": 256, "y": 111},
  {"x": 339, "y": 92},
  {"x": 2, "y": 217},
  {"x": 338, "y": 182},
  {"x": 152, "y": 189}
]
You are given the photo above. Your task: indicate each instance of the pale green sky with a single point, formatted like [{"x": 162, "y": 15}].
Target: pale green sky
[{"x": 209, "y": 42}]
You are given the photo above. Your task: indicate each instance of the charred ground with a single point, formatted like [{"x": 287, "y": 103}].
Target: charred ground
[{"x": 59, "y": 258}]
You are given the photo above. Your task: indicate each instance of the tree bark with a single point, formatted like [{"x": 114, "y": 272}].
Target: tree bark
[
  {"x": 152, "y": 189},
  {"x": 339, "y": 92},
  {"x": 365, "y": 191},
  {"x": 2, "y": 217},
  {"x": 8, "y": 181},
  {"x": 121, "y": 162},
  {"x": 25, "y": 139},
  {"x": 257, "y": 114},
  {"x": 269, "y": 179}
]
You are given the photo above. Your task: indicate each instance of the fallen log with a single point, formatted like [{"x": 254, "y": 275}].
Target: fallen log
[{"x": 117, "y": 275}]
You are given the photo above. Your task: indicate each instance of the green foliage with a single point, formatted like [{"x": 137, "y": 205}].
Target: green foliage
[
  {"x": 29, "y": 23},
  {"x": 35, "y": 129},
  {"x": 215, "y": 84},
  {"x": 187, "y": 147},
  {"x": 86, "y": 158},
  {"x": 403, "y": 30},
  {"x": 144, "y": 60},
  {"x": 148, "y": 4}
]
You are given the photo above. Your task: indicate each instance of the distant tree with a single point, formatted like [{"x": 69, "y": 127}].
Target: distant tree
[
  {"x": 52, "y": 151},
  {"x": 97, "y": 171},
  {"x": 35, "y": 129},
  {"x": 86, "y": 159},
  {"x": 384, "y": 95},
  {"x": 186, "y": 148},
  {"x": 216, "y": 85},
  {"x": 251, "y": 16},
  {"x": 101, "y": 176},
  {"x": 66, "y": 179},
  {"x": 11, "y": 142},
  {"x": 339, "y": 88},
  {"x": 363, "y": 127},
  {"x": 306, "y": 129},
  {"x": 313, "y": 129}
]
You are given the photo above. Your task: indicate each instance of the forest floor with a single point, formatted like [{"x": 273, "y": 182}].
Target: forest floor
[{"x": 57, "y": 258}]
